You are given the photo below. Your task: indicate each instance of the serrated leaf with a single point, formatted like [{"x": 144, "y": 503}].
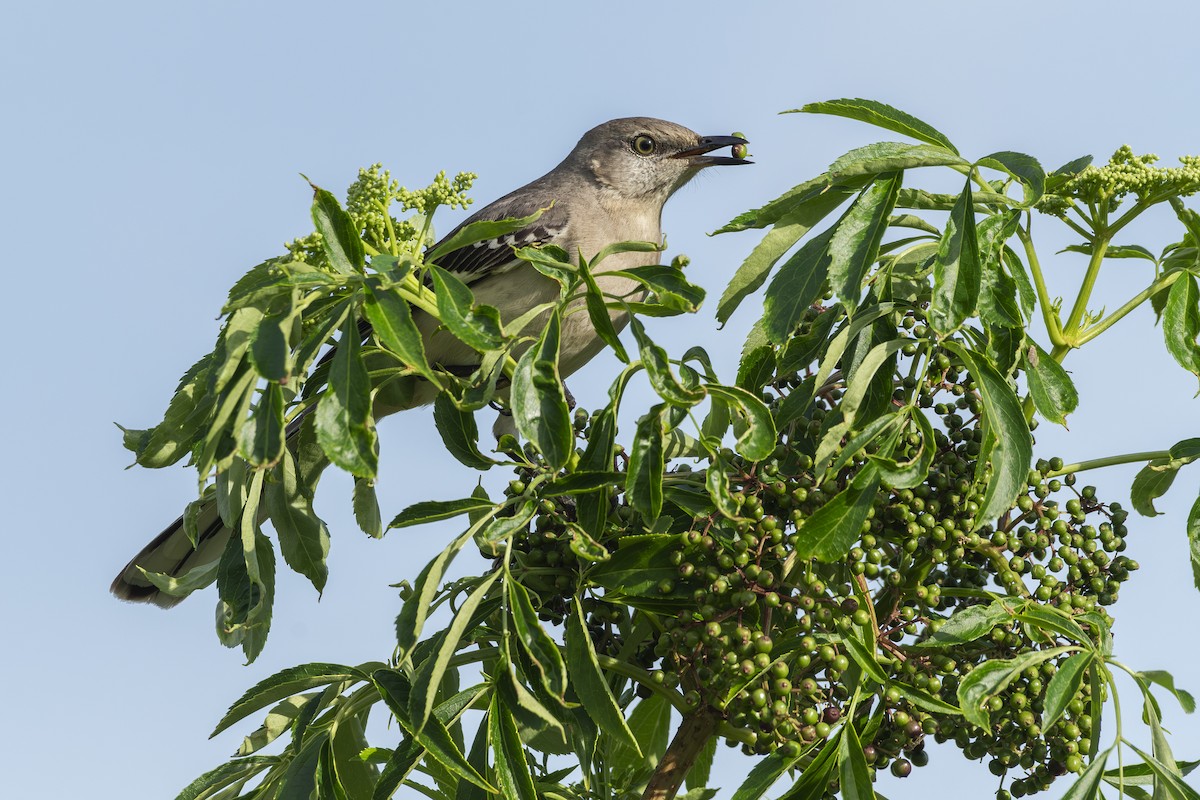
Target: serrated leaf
[
  {"x": 303, "y": 536},
  {"x": 991, "y": 677},
  {"x": 956, "y": 269},
  {"x": 1013, "y": 451},
  {"x": 459, "y": 433},
  {"x": 539, "y": 405},
  {"x": 644, "y": 478},
  {"x": 482, "y": 231},
  {"x": 1053, "y": 391},
  {"x": 880, "y": 115},
  {"x": 831, "y": 530},
  {"x": 512, "y": 770},
  {"x": 758, "y": 440},
  {"x": 852, "y": 767},
  {"x": 1064, "y": 686},
  {"x": 881, "y": 157},
  {"x": 340, "y": 237},
  {"x": 344, "y": 426},
  {"x": 395, "y": 689},
  {"x": 764, "y": 774},
  {"x": 433, "y": 510},
  {"x": 854, "y": 244},
  {"x": 1025, "y": 169},
  {"x": 968, "y": 624},
  {"x": 543, "y": 653},
  {"x": 366, "y": 508},
  {"x": 1181, "y": 323},
  {"x": 1152, "y": 482},
  {"x": 588, "y": 681},
  {"x": 392, "y": 321},
  {"x": 786, "y": 232},
  {"x": 286, "y": 683}
]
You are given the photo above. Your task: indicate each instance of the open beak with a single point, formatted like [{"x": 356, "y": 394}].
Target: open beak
[{"x": 696, "y": 156}]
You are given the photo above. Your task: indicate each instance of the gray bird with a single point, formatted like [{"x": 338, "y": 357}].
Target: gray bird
[{"x": 611, "y": 188}]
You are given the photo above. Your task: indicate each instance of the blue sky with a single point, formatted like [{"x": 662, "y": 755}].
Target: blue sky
[{"x": 151, "y": 154}]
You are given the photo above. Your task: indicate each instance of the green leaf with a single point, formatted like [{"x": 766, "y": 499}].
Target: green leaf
[
  {"x": 1193, "y": 536},
  {"x": 512, "y": 770},
  {"x": 923, "y": 699},
  {"x": 1142, "y": 774},
  {"x": 968, "y": 624},
  {"x": 1053, "y": 392},
  {"x": 764, "y": 774},
  {"x": 854, "y": 244},
  {"x": 910, "y": 473},
  {"x": 880, "y": 157},
  {"x": 788, "y": 230},
  {"x": 228, "y": 774},
  {"x": 1114, "y": 251},
  {"x": 1088, "y": 785},
  {"x": 429, "y": 675},
  {"x": 283, "y": 684},
  {"x": 415, "y": 610},
  {"x": 1167, "y": 779},
  {"x": 459, "y": 432},
  {"x": 303, "y": 537},
  {"x": 671, "y": 289},
  {"x": 880, "y": 115},
  {"x": 1064, "y": 686},
  {"x": 991, "y": 677},
  {"x": 865, "y": 658},
  {"x": 580, "y": 482},
  {"x": 758, "y": 440},
  {"x": 339, "y": 235},
  {"x": 1151, "y": 483},
  {"x": 1181, "y": 323},
  {"x": 345, "y": 430},
  {"x": 185, "y": 420},
  {"x": 395, "y": 689},
  {"x": 366, "y": 508},
  {"x": 658, "y": 369},
  {"x": 538, "y": 404},
  {"x": 1025, "y": 169},
  {"x": 792, "y": 199},
  {"x": 588, "y": 681},
  {"x": 852, "y": 767},
  {"x": 757, "y": 368},
  {"x": 482, "y": 231},
  {"x": 698, "y": 775},
  {"x": 798, "y": 284},
  {"x": 434, "y": 510},
  {"x": 1167, "y": 681},
  {"x": 1013, "y": 452},
  {"x": 834, "y": 527},
  {"x": 643, "y": 480},
  {"x": 814, "y": 780},
  {"x": 650, "y": 722},
  {"x": 269, "y": 349},
  {"x": 956, "y": 269},
  {"x": 476, "y": 326},
  {"x": 392, "y": 321},
  {"x": 263, "y": 439},
  {"x": 183, "y": 585},
  {"x": 543, "y": 653}
]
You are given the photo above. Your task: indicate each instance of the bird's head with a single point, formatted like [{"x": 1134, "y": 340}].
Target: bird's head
[{"x": 642, "y": 157}]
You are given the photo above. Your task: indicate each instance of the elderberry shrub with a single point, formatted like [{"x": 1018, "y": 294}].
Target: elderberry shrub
[{"x": 742, "y": 624}]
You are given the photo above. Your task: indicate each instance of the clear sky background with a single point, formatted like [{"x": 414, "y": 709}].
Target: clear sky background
[{"x": 150, "y": 154}]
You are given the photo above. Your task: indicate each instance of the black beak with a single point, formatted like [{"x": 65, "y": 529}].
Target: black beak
[{"x": 696, "y": 155}]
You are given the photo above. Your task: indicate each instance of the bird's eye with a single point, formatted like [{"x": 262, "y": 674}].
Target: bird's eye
[{"x": 643, "y": 145}]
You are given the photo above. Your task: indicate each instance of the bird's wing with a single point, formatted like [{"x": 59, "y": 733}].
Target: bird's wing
[{"x": 495, "y": 256}]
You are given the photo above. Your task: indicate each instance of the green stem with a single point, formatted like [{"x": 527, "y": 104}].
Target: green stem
[
  {"x": 1109, "y": 461},
  {"x": 1049, "y": 316},
  {"x": 1134, "y": 302},
  {"x": 1072, "y": 326}
]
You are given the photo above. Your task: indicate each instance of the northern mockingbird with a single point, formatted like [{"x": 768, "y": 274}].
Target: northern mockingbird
[{"x": 610, "y": 188}]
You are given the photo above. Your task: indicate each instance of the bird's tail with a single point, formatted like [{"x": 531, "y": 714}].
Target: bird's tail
[{"x": 172, "y": 553}]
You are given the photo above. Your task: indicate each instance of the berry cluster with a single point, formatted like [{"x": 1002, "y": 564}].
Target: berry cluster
[{"x": 749, "y": 629}]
